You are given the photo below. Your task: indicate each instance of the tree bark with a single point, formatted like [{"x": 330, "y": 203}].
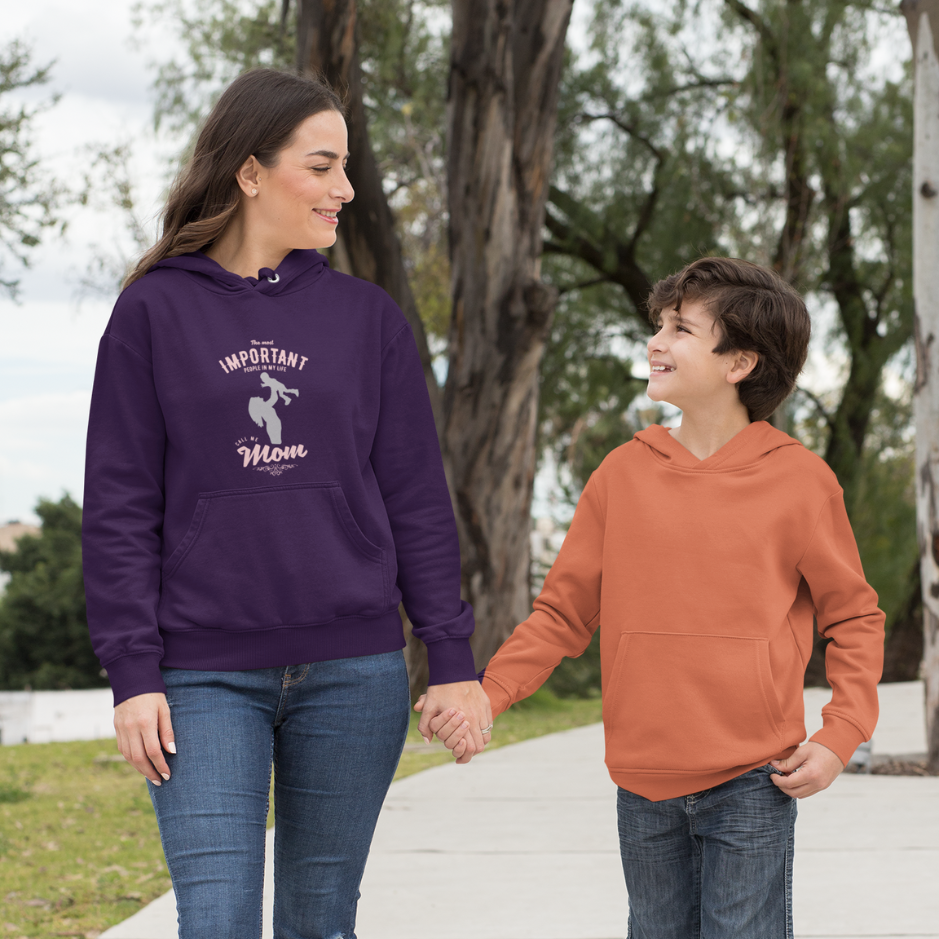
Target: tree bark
[
  {"x": 923, "y": 21},
  {"x": 367, "y": 243},
  {"x": 505, "y": 68}
]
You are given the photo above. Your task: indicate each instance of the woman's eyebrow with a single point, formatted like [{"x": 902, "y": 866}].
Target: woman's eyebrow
[{"x": 328, "y": 154}]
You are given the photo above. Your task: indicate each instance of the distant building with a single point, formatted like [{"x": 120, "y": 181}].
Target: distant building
[{"x": 9, "y": 533}]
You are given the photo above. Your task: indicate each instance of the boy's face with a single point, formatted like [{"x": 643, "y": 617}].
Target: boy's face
[{"x": 683, "y": 369}]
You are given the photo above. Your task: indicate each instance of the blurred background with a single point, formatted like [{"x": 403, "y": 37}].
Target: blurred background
[{"x": 780, "y": 132}]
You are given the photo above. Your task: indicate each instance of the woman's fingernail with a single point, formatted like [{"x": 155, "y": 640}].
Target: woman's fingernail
[
  {"x": 156, "y": 782},
  {"x": 425, "y": 739},
  {"x": 171, "y": 747},
  {"x": 165, "y": 775}
]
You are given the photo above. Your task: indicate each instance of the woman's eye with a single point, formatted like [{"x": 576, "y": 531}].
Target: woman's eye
[{"x": 320, "y": 169}]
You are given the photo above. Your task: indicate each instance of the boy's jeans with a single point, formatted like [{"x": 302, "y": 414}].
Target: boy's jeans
[
  {"x": 712, "y": 865},
  {"x": 334, "y": 732}
]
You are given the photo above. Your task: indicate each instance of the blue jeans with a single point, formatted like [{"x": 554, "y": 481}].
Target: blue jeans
[
  {"x": 712, "y": 865},
  {"x": 333, "y": 732}
]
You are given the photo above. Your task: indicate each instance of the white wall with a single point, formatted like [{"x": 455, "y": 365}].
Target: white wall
[{"x": 52, "y": 716}]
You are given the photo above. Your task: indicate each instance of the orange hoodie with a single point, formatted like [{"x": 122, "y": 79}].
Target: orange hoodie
[{"x": 704, "y": 576}]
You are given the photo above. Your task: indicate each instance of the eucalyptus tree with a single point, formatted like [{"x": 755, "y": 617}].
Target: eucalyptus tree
[
  {"x": 764, "y": 131},
  {"x": 923, "y": 22},
  {"x": 28, "y": 198},
  {"x": 505, "y": 67},
  {"x": 488, "y": 192}
]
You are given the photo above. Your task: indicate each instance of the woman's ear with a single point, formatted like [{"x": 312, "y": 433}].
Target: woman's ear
[
  {"x": 742, "y": 365},
  {"x": 248, "y": 177}
]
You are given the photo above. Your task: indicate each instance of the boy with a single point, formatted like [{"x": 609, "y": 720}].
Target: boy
[{"x": 704, "y": 552}]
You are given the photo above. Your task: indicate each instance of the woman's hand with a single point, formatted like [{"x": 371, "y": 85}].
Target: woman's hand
[
  {"x": 460, "y": 715},
  {"x": 144, "y": 731}
]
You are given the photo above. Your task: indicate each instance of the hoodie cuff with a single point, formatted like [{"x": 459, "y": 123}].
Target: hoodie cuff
[
  {"x": 135, "y": 674},
  {"x": 450, "y": 660},
  {"x": 499, "y": 698},
  {"x": 841, "y": 737}
]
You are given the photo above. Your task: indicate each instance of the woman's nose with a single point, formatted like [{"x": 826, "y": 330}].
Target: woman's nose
[{"x": 343, "y": 189}]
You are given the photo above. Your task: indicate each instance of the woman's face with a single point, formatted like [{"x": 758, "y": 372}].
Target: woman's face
[{"x": 298, "y": 200}]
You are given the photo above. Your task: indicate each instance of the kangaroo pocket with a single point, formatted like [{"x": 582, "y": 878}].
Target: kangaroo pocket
[
  {"x": 278, "y": 556},
  {"x": 682, "y": 703}
]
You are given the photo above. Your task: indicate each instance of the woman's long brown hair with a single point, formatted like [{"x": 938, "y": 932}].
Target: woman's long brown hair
[{"x": 256, "y": 115}]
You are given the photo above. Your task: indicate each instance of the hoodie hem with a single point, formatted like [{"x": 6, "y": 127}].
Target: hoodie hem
[
  {"x": 658, "y": 786},
  {"x": 226, "y": 650}
]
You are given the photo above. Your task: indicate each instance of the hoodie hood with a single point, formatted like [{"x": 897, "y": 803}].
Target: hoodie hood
[
  {"x": 743, "y": 449},
  {"x": 299, "y": 269}
]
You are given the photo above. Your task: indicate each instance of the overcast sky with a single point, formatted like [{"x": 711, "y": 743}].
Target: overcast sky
[{"x": 48, "y": 340}]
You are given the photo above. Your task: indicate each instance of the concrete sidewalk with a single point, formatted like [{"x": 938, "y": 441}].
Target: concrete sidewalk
[{"x": 521, "y": 844}]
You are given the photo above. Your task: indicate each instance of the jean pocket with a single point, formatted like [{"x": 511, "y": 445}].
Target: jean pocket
[
  {"x": 283, "y": 555},
  {"x": 689, "y": 703}
]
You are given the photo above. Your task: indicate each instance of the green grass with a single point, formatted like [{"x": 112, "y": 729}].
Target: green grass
[{"x": 79, "y": 847}]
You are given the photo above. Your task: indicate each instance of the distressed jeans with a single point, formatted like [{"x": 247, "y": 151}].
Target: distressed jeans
[
  {"x": 333, "y": 732},
  {"x": 712, "y": 865}
]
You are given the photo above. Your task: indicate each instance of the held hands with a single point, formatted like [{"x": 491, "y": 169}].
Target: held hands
[
  {"x": 144, "y": 731},
  {"x": 810, "y": 769},
  {"x": 459, "y": 714}
]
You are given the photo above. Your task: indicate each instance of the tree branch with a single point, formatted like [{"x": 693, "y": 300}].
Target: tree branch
[
  {"x": 648, "y": 208},
  {"x": 760, "y": 24},
  {"x": 630, "y": 129},
  {"x": 819, "y": 406},
  {"x": 581, "y": 285},
  {"x": 688, "y": 86}
]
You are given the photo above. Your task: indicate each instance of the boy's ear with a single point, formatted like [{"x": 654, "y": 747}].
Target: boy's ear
[{"x": 743, "y": 364}]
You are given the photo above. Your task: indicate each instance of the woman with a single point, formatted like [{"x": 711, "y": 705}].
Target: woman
[{"x": 263, "y": 487}]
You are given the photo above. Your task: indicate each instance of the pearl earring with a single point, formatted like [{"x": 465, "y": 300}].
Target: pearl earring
[{"x": 254, "y": 192}]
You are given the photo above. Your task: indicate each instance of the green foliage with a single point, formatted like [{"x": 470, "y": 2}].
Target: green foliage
[
  {"x": 221, "y": 39},
  {"x": 768, "y": 131},
  {"x": 586, "y": 384},
  {"x": 28, "y": 200},
  {"x": 403, "y": 50},
  {"x": 884, "y": 516},
  {"x": 44, "y": 640},
  {"x": 580, "y": 677}
]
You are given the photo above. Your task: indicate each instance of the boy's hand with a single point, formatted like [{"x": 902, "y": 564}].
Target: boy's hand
[
  {"x": 457, "y": 713},
  {"x": 810, "y": 769}
]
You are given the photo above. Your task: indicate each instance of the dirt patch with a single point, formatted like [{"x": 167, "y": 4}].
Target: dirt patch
[{"x": 896, "y": 768}]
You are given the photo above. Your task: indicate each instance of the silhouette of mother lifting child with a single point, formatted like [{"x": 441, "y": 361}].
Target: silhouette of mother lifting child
[{"x": 262, "y": 412}]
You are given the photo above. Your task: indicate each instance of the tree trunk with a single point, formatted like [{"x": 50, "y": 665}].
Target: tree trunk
[
  {"x": 505, "y": 68},
  {"x": 368, "y": 246},
  {"x": 923, "y": 21}
]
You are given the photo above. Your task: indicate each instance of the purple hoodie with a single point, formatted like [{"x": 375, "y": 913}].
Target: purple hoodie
[{"x": 263, "y": 481}]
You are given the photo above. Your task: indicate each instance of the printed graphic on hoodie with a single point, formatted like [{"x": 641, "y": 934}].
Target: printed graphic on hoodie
[
  {"x": 267, "y": 409},
  {"x": 262, "y": 412}
]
